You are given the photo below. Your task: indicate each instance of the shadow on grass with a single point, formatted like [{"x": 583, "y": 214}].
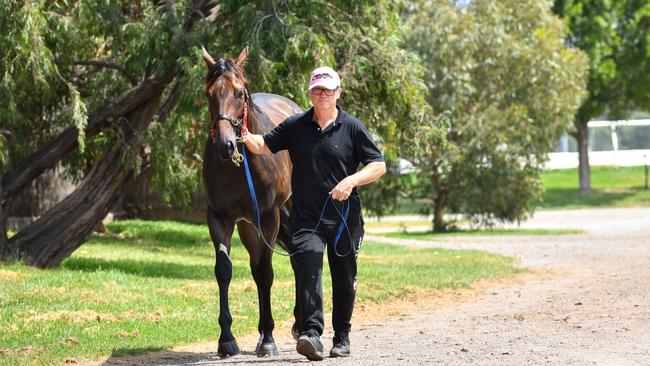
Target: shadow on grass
[
  {"x": 154, "y": 269},
  {"x": 141, "y": 268},
  {"x": 162, "y": 238},
  {"x": 122, "y": 352},
  {"x": 153, "y": 356},
  {"x": 563, "y": 197}
]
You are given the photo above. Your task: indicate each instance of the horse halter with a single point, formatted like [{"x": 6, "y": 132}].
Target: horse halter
[{"x": 239, "y": 124}]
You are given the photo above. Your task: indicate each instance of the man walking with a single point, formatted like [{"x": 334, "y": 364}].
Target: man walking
[{"x": 326, "y": 146}]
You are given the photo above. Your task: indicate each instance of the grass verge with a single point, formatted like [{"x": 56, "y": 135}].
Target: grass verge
[
  {"x": 150, "y": 285},
  {"x": 611, "y": 187},
  {"x": 428, "y": 235}
]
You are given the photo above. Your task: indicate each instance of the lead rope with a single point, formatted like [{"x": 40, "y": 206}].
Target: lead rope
[{"x": 258, "y": 227}]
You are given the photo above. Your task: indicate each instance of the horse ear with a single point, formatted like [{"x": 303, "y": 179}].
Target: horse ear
[
  {"x": 209, "y": 61},
  {"x": 241, "y": 59}
]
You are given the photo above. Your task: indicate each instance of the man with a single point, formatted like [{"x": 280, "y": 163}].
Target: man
[{"x": 326, "y": 146}]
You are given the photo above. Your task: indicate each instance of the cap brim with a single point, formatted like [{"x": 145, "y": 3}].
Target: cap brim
[{"x": 327, "y": 84}]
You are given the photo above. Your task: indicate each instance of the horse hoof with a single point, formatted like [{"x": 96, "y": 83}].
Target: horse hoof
[
  {"x": 227, "y": 349},
  {"x": 266, "y": 350}
]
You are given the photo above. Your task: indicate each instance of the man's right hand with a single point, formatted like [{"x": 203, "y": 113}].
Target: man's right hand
[{"x": 255, "y": 143}]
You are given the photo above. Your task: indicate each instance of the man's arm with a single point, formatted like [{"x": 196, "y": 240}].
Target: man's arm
[
  {"x": 255, "y": 144},
  {"x": 368, "y": 174}
]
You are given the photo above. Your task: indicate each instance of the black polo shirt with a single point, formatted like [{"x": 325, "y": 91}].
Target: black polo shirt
[{"x": 320, "y": 160}]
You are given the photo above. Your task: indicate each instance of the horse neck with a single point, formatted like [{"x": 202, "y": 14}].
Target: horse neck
[{"x": 258, "y": 122}]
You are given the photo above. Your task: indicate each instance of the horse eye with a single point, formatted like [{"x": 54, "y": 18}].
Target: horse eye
[{"x": 240, "y": 94}]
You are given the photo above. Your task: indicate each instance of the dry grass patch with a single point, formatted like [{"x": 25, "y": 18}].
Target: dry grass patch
[
  {"x": 75, "y": 317},
  {"x": 7, "y": 275}
]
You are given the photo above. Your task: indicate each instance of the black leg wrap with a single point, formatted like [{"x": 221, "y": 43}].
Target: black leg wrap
[
  {"x": 295, "y": 331},
  {"x": 223, "y": 271}
]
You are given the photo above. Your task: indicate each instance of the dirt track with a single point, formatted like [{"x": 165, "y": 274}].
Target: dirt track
[{"x": 588, "y": 303}]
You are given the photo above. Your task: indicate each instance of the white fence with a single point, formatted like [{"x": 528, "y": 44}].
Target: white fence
[
  {"x": 613, "y": 157},
  {"x": 566, "y": 160}
]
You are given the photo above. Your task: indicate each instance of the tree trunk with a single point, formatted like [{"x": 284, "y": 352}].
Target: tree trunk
[
  {"x": 582, "y": 138},
  {"x": 5, "y": 251},
  {"x": 61, "y": 230},
  {"x": 439, "y": 203}
]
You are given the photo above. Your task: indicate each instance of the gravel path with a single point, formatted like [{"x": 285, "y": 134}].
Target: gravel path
[{"x": 588, "y": 305}]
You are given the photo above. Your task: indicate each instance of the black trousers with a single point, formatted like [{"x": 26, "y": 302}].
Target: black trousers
[{"x": 307, "y": 264}]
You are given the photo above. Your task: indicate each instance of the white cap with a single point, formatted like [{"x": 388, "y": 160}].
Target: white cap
[{"x": 324, "y": 77}]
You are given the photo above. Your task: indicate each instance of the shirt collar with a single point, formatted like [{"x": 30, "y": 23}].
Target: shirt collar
[{"x": 339, "y": 116}]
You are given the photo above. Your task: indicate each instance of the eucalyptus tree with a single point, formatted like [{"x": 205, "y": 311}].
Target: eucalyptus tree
[
  {"x": 112, "y": 92},
  {"x": 616, "y": 37},
  {"x": 363, "y": 40},
  {"x": 505, "y": 86}
]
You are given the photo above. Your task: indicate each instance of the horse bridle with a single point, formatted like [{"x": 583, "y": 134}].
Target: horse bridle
[{"x": 240, "y": 125}]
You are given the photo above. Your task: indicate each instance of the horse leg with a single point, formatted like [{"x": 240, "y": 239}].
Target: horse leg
[
  {"x": 284, "y": 237},
  {"x": 221, "y": 233},
  {"x": 296, "y": 328},
  {"x": 262, "y": 269}
]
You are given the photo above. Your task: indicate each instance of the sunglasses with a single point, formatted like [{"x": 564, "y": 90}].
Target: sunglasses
[{"x": 319, "y": 91}]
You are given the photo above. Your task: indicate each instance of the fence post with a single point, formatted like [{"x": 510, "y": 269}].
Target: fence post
[{"x": 645, "y": 168}]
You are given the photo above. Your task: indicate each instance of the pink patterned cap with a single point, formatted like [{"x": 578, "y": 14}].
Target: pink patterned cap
[{"x": 324, "y": 77}]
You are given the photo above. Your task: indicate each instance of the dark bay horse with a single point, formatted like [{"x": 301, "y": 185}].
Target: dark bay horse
[{"x": 229, "y": 199}]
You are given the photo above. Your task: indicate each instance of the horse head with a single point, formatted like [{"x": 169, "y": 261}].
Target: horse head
[{"x": 226, "y": 88}]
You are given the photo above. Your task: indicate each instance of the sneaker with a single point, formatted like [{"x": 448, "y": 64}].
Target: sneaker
[
  {"x": 309, "y": 345},
  {"x": 341, "y": 346}
]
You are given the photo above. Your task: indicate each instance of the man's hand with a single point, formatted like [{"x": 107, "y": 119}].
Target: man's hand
[
  {"x": 343, "y": 190},
  {"x": 244, "y": 135},
  {"x": 255, "y": 143},
  {"x": 368, "y": 174}
]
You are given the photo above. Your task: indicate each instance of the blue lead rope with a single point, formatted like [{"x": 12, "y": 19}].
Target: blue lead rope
[
  {"x": 342, "y": 226},
  {"x": 251, "y": 189}
]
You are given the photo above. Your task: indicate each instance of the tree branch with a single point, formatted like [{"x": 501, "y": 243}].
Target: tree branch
[
  {"x": 108, "y": 65},
  {"x": 50, "y": 153}
]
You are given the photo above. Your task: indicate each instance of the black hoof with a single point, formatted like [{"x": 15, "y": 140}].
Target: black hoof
[
  {"x": 227, "y": 349},
  {"x": 266, "y": 350}
]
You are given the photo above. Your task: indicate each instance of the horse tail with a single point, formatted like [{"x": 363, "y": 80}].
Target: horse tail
[{"x": 284, "y": 234}]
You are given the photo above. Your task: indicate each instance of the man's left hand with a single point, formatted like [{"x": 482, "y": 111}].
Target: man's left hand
[{"x": 343, "y": 190}]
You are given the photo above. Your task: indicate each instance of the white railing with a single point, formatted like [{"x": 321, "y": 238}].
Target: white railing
[
  {"x": 614, "y": 157},
  {"x": 567, "y": 160}
]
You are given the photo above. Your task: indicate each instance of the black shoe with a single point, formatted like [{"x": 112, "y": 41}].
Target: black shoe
[
  {"x": 310, "y": 346},
  {"x": 341, "y": 347}
]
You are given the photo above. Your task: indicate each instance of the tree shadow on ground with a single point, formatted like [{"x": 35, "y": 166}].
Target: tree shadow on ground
[
  {"x": 169, "y": 357},
  {"x": 163, "y": 238},
  {"x": 154, "y": 269},
  {"x": 141, "y": 268}
]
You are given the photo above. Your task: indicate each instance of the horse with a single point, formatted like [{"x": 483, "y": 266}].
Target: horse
[{"x": 229, "y": 199}]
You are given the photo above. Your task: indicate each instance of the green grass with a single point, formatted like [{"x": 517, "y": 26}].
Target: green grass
[
  {"x": 611, "y": 187},
  {"x": 150, "y": 285},
  {"x": 428, "y": 235}
]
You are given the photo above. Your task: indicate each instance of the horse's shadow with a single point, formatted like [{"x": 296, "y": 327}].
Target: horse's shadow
[{"x": 187, "y": 358}]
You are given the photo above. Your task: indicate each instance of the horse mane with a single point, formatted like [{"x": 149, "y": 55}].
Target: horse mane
[{"x": 222, "y": 66}]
